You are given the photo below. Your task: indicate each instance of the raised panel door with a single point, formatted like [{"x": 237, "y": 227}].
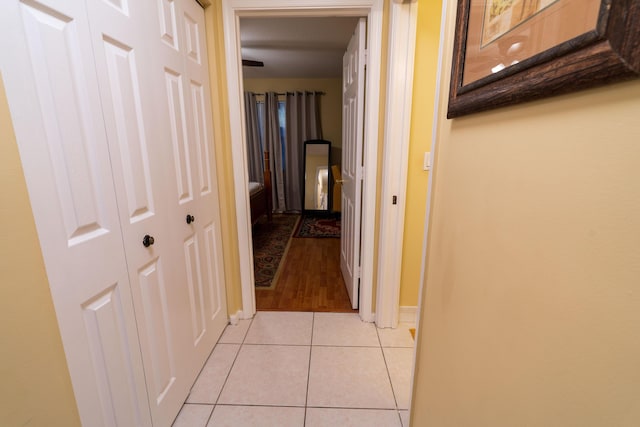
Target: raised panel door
[
  {"x": 352, "y": 143},
  {"x": 48, "y": 67},
  {"x": 188, "y": 101},
  {"x": 142, "y": 159}
]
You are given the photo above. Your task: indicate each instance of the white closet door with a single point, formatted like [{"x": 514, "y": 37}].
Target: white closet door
[
  {"x": 111, "y": 106},
  {"x": 48, "y": 66},
  {"x": 212, "y": 310},
  {"x": 188, "y": 126},
  {"x": 127, "y": 60}
]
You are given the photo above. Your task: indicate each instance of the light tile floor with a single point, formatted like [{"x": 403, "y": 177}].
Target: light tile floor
[{"x": 290, "y": 369}]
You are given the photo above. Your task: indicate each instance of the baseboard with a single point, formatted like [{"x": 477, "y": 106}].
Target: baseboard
[
  {"x": 233, "y": 318},
  {"x": 369, "y": 319},
  {"x": 408, "y": 314}
]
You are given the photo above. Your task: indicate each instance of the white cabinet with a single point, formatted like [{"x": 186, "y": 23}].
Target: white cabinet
[{"x": 111, "y": 109}]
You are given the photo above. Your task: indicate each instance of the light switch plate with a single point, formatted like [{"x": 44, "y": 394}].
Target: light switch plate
[{"x": 427, "y": 161}]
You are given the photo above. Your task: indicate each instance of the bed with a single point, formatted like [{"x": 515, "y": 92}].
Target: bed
[{"x": 260, "y": 194}]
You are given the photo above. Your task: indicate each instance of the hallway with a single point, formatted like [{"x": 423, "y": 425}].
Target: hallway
[{"x": 304, "y": 369}]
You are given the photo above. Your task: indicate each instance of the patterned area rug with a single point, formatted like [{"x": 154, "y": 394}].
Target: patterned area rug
[
  {"x": 319, "y": 226},
  {"x": 270, "y": 244}
]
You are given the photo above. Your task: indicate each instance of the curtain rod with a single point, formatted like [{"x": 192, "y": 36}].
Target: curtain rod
[{"x": 292, "y": 92}]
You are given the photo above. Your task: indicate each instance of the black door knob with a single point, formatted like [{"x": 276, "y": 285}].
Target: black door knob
[
  {"x": 190, "y": 219},
  {"x": 148, "y": 241}
]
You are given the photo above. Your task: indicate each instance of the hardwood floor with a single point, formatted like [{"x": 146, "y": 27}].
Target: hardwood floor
[{"x": 309, "y": 279}]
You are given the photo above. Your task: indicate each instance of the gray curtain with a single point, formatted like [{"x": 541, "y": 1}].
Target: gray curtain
[
  {"x": 303, "y": 124},
  {"x": 275, "y": 148},
  {"x": 254, "y": 150}
]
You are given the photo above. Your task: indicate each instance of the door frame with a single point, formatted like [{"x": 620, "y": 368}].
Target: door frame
[
  {"x": 373, "y": 10},
  {"x": 403, "y": 19}
]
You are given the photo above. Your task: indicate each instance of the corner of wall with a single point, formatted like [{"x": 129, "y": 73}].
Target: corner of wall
[{"x": 215, "y": 46}]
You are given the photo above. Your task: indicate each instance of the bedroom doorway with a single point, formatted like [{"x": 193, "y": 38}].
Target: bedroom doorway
[
  {"x": 232, "y": 16},
  {"x": 297, "y": 266},
  {"x": 233, "y": 11}
]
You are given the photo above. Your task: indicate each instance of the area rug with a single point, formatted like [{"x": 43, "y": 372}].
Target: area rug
[
  {"x": 319, "y": 226},
  {"x": 270, "y": 244}
]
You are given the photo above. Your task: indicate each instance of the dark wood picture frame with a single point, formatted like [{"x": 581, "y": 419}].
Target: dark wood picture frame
[{"x": 609, "y": 53}]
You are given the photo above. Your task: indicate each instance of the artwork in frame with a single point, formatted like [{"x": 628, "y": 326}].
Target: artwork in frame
[{"x": 511, "y": 51}]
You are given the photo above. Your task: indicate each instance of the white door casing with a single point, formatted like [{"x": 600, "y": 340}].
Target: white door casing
[
  {"x": 353, "y": 79},
  {"x": 402, "y": 39},
  {"x": 373, "y": 11},
  {"x": 51, "y": 85}
]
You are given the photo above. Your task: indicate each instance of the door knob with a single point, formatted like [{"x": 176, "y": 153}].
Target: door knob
[
  {"x": 148, "y": 241},
  {"x": 190, "y": 219},
  {"x": 339, "y": 181}
]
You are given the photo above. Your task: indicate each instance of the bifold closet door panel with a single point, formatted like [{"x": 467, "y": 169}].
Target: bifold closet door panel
[
  {"x": 158, "y": 120},
  {"x": 124, "y": 38},
  {"x": 48, "y": 67},
  {"x": 206, "y": 203},
  {"x": 195, "y": 211}
]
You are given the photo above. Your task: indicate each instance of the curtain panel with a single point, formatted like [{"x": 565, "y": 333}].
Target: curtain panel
[
  {"x": 303, "y": 124},
  {"x": 254, "y": 148},
  {"x": 275, "y": 147}
]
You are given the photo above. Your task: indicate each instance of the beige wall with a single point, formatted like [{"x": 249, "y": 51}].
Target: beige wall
[
  {"x": 531, "y": 307},
  {"x": 330, "y": 102},
  {"x": 424, "y": 86},
  {"x": 35, "y": 388}
]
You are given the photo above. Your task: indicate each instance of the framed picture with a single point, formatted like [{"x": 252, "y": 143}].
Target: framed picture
[{"x": 511, "y": 51}]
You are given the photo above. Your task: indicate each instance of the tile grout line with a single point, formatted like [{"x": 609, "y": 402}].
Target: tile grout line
[
  {"x": 243, "y": 343},
  {"x": 386, "y": 365},
  {"x": 230, "y": 369},
  {"x": 318, "y": 345},
  {"x": 306, "y": 398},
  {"x": 200, "y": 373}
]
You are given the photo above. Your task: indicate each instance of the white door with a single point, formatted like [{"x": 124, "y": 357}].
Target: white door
[
  {"x": 48, "y": 66},
  {"x": 117, "y": 145},
  {"x": 187, "y": 126},
  {"x": 353, "y": 75},
  {"x": 126, "y": 56},
  {"x": 152, "y": 66}
]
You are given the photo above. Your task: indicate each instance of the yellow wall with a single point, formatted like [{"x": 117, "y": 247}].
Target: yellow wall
[
  {"x": 330, "y": 102},
  {"x": 531, "y": 307},
  {"x": 424, "y": 86},
  {"x": 35, "y": 388},
  {"x": 224, "y": 162}
]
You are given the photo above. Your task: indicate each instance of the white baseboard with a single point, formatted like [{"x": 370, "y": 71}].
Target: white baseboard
[
  {"x": 408, "y": 314},
  {"x": 233, "y": 318},
  {"x": 371, "y": 318}
]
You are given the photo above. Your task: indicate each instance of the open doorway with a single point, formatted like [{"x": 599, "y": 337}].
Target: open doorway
[
  {"x": 233, "y": 11},
  {"x": 299, "y": 62}
]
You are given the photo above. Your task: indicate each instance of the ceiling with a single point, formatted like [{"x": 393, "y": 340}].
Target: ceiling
[{"x": 295, "y": 47}]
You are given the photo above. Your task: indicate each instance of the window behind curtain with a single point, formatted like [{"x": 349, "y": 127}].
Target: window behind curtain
[{"x": 282, "y": 122}]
